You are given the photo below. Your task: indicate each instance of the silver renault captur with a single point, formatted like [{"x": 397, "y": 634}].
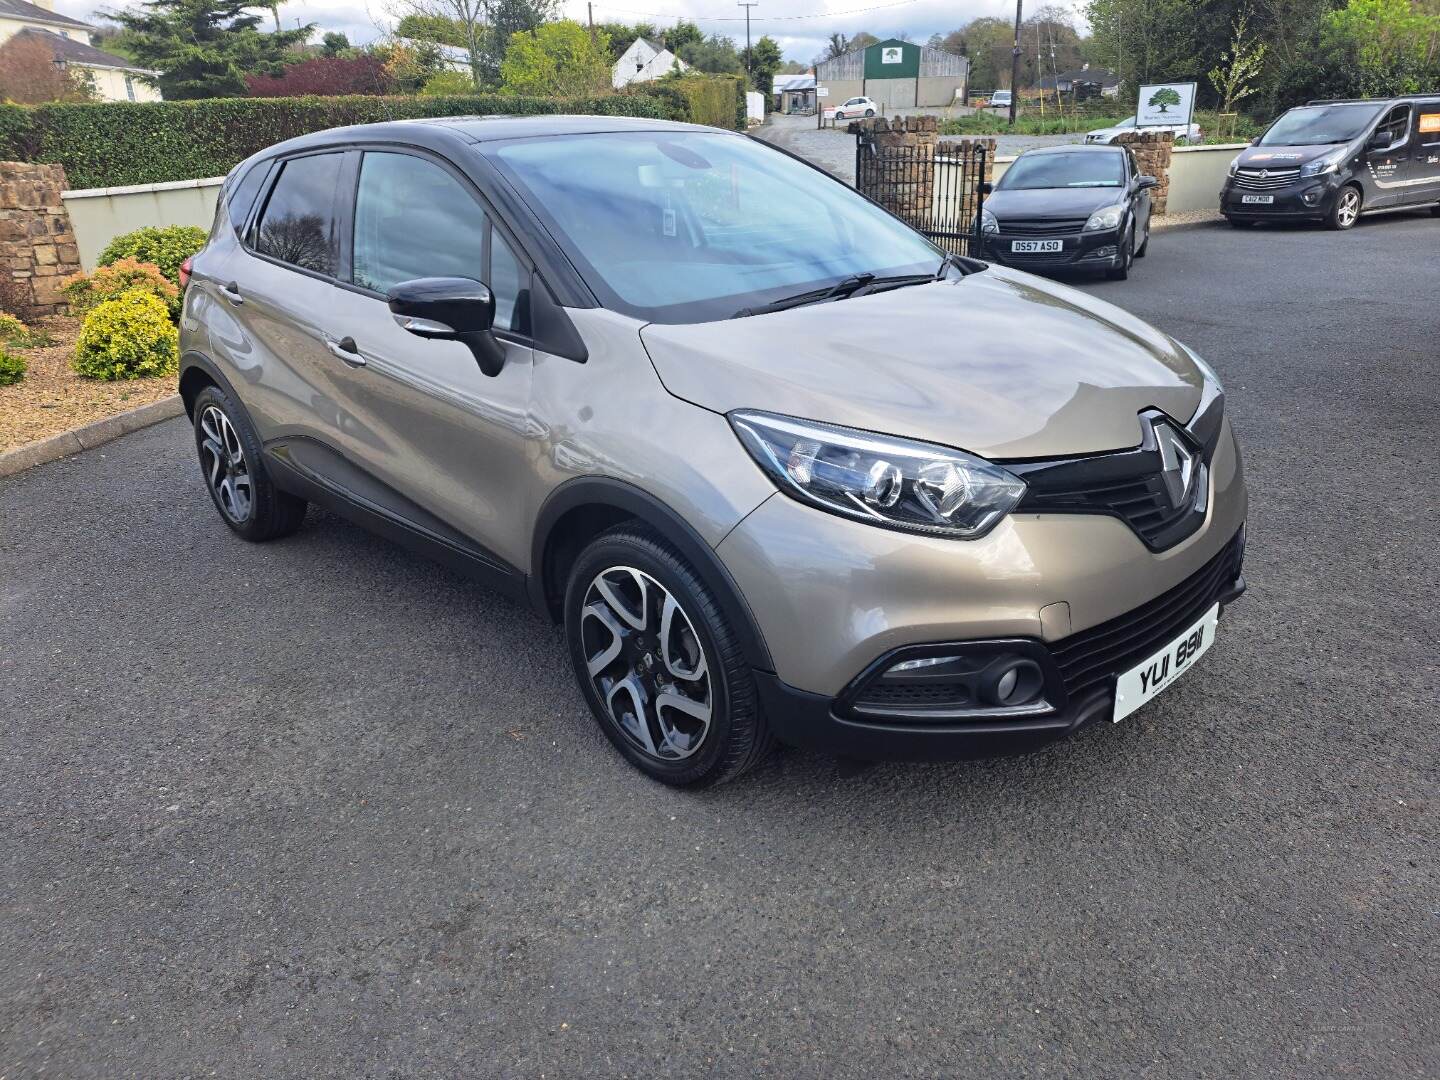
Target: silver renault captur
[{"x": 783, "y": 469}]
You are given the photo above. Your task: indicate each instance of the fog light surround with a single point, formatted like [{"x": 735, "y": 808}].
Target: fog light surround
[{"x": 962, "y": 682}]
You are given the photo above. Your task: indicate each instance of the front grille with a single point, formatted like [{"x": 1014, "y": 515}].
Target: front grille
[
  {"x": 1092, "y": 657},
  {"x": 883, "y": 695},
  {"x": 1142, "y": 503},
  {"x": 1043, "y": 227},
  {"x": 1252, "y": 180}
]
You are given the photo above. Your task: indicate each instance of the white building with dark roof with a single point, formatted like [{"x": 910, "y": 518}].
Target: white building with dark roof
[
  {"x": 644, "y": 61},
  {"x": 68, "y": 40}
]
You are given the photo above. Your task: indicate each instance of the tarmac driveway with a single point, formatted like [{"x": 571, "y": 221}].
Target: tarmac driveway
[{"x": 319, "y": 808}]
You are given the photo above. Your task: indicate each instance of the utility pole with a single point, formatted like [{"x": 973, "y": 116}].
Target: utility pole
[
  {"x": 747, "y": 7},
  {"x": 590, "y": 16},
  {"x": 1015, "y": 64}
]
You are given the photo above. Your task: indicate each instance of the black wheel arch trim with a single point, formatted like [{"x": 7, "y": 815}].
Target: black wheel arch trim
[
  {"x": 192, "y": 360},
  {"x": 606, "y": 492}
]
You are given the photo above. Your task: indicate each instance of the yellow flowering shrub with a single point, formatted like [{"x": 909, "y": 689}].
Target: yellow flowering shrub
[{"x": 84, "y": 291}]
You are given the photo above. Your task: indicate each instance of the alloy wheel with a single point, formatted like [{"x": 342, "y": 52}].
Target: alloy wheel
[
  {"x": 1349, "y": 208},
  {"x": 646, "y": 663},
  {"x": 226, "y": 470}
]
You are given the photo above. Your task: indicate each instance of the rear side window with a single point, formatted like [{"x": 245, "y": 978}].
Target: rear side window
[
  {"x": 241, "y": 196},
  {"x": 297, "y": 225}
]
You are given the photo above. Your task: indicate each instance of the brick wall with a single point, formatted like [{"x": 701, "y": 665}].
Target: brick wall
[
  {"x": 37, "y": 244},
  {"x": 1152, "y": 153}
]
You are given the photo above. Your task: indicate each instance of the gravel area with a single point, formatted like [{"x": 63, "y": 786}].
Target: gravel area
[
  {"x": 52, "y": 398},
  {"x": 319, "y": 808}
]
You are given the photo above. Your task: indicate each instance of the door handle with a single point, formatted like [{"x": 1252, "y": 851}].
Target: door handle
[
  {"x": 231, "y": 293},
  {"x": 345, "y": 349}
]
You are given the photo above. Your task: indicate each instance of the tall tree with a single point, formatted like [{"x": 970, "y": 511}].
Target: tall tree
[
  {"x": 30, "y": 76},
  {"x": 204, "y": 48},
  {"x": 714, "y": 55},
  {"x": 334, "y": 44},
  {"x": 764, "y": 59},
  {"x": 681, "y": 35}
]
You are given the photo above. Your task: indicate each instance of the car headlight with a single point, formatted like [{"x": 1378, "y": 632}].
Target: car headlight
[
  {"x": 1106, "y": 218},
  {"x": 1322, "y": 165},
  {"x": 1205, "y": 368},
  {"x": 887, "y": 481},
  {"x": 1234, "y": 164},
  {"x": 988, "y": 222}
]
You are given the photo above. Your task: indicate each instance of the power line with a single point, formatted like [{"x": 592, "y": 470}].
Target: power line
[{"x": 758, "y": 18}]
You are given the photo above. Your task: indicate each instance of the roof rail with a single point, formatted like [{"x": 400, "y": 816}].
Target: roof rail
[{"x": 1370, "y": 101}]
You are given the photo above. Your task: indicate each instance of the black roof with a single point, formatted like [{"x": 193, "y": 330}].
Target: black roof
[
  {"x": 76, "y": 52},
  {"x": 440, "y": 132},
  {"x": 22, "y": 9}
]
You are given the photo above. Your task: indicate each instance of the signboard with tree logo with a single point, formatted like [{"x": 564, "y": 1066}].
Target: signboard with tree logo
[{"x": 1165, "y": 105}]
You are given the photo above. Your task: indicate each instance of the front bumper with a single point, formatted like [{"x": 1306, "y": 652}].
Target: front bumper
[
  {"x": 1082, "y": 668},
  {"x": 1098, "y": 250},
  {"x": 1308, "y": 199}
]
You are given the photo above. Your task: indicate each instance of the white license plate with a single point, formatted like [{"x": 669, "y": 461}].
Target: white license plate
[
  {"x": 1037, "y": 245},
  {"x": 1138, "y": 685},
  {"x": 1265, "y": 199}
]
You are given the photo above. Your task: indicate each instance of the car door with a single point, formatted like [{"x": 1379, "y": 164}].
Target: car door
[
  {"x": 445, "y": 443},
  {"x": 1388, "y": 161},
  {"x": 275, "y": 288},
  {"x": 1140, "y": 203},
  {"x": 1425, "y": 157}
]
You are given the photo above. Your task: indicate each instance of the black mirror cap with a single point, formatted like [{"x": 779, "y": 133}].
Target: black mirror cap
[
  {"x": 451, "y": 309},
  {"x": 1255, "y": 141},
  {"x": 1380, "y": 141},
  {"x": 459, "y": 305},
  {"x": 1143, "y": 182},
  {"x": 986, "y": 187}
]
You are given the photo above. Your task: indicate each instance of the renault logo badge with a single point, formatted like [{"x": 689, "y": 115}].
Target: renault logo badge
[{"x": 1177, "y": 463}]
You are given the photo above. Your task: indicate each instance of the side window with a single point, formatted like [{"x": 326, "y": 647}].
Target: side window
[
  {"x": 1130, "y": 160},
  {"x": 241, "y": 196},
  {"x": 298, "y": 223},
  {"x": 414, "y": 220},
  {"x": 1427, "y": 126},
  {"x": 1396, "y": 125}
]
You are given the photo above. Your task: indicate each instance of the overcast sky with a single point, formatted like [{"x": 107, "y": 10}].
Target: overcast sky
[{"x": 800, "y": 38}]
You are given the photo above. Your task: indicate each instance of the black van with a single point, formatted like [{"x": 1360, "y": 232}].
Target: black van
[{"x": 1332, "y": 161}]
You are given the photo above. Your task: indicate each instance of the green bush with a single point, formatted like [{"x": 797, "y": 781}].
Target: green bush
[
  {"x": 114, "y": 143},
  {"x": 130, "y": 337},
  {"x": 12, "y": 368},
  {"x": 165, "y": 248},
  {"x": 707, "y": 99}
]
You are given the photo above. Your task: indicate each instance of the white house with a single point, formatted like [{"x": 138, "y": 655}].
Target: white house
[
  {"x": 644, "y": 61},
  {"x": 68, "y": 40}
]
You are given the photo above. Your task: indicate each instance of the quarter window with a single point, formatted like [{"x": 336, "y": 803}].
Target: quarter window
[
  {"x": 298, "y": 225},
  {"x": 414, "y": 220}
]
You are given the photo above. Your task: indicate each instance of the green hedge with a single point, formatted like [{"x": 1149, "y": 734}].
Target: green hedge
[
  {"x": 718, "y": 100},
  {"x": 112, "y": 144}
]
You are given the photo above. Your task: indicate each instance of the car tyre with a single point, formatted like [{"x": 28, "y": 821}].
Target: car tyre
[
  {"x": 1346, "y": 210},
  {"x": 644, "y": 629},
  {"x": 869, "y": 112},
  {"x": 1145, "y": 246},
  {"x": 234, "y": 471},
  {"x": 1121, "y": 272},
  {"x": 1435, "y": 210}
]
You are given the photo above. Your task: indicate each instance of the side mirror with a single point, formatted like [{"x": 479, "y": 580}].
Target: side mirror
[
  {"x": 1143, "y": 182},
  {"x": 986, "y": 187},
  {"x": 450, "y": 309},
  {"x": 1380, "y": 141},
  {"x": 1255, "y": 141}
]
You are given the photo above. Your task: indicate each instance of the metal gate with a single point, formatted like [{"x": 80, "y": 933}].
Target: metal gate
[{"x": 938, "y": 189}]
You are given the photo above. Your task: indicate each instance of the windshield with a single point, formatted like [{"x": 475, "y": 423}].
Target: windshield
[
  {"x": 1318, "y": 124},
  {"x": 689, "y": 226},
  {"x": 1077, "y": 170}
]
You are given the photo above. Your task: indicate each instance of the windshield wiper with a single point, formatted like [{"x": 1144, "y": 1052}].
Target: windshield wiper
[{"x": 841, "y": 289}]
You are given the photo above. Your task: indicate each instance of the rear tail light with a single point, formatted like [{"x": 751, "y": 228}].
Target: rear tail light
[{"x": 185, "y": 273}]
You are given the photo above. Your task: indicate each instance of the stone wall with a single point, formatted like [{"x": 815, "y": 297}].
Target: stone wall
[
  {"x": 1152, "y": 152},
  {"x": 37, "y": 244}
]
